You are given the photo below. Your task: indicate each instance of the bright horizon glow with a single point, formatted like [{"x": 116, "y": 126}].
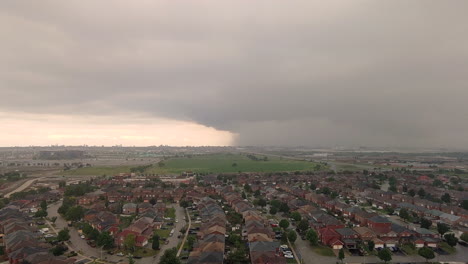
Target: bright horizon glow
[{"x": 21, "y": 129}]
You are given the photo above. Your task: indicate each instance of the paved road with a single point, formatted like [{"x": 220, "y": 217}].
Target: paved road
[
  {"x": 186, "y": 232},
  {"x": 23, "y": 186}
]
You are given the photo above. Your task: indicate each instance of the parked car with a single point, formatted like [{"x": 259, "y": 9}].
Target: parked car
[
  {"x": 120, "y": 254},
  {"x": 289, "y": 256}
]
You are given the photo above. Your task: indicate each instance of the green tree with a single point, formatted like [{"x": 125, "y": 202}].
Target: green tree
[
  {"x": 421, "y": 193},
  {"x": 412, "y": 193},
  {"x": 63, "y": 235},
  {"x": 44, "y": 205},
  {"x": 464, "y": 204},
  {"x": 87, "y": 229},
  {"x": 247, "y": 188},
  {"x": 262, "y": 202},
  {"x": 155, "y": 243},
  {"x": 303, "y": 225},
  {"x": 405, "y": 214},
  {"x": 130, "y": 259},
  {"x": 426, "y": 223},
  {"x": 284, "y": 208},
  {"x": 94, "y": 234},
  {"x": 284, "y": 223},
  {"x": 313, "y": 187},
  {"x": 75, "y": 213},
  {"x": 446, "y": 198},
  {"x": 426, "y": 253},
  {"x": 257, "y": 193},
  {"x": 273, "y": 210},
  {"x": 464, "y": 236},
  {"x": 130, "y": 242},
  {"x": 385, "y": 255},
  {"x": 191, "y": 241},
  {"x": 371, "y": 245},
  {"x": 312, "y": 236},
  {"x": 451, "y": 239},
  {"x": 105, "y": 240},
  {"x": 237, "y": 256},
  {"x": 296, "y": 216},
  {"x": 292, "y": 236},
  {"x": 170, "y": 257},
  {"x": 341, "y": 255},
  {"x": 40, "y": 213},
  {"x": 442, "y": 228}
]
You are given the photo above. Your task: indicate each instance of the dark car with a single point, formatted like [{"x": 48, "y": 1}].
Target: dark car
[{"x": 137, "y": 257}]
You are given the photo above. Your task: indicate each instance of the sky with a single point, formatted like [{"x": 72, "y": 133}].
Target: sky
[{"x": 385, "y": 73}]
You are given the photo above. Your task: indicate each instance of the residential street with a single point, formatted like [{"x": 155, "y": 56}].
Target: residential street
[{"x": 79, "y": 245}]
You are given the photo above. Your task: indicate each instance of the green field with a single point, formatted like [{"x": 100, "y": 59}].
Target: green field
[{"x": 215, "y": 163}]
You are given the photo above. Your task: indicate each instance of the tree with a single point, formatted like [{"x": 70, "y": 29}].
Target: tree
[
  {"x": 296, "y": 216},
  {"x": 341, "y": 255},
  {"x": 284, "y": 223},
  {"x": 247, "y": 188},
  {"x": 257, "y": 193},
  {"x": 58, "y": 250},
  {"x": 303, "y": 225},
  {"x": 94, "y": 234},
  {"x": 273, "y": 210},
  {"x": 40, "y": 213},
  {"x": 53, "y": 219},
  {"x": 284, "y": 208},
  {"x": 371, "y": 245},
  {"x": 155, "y": 243},
  {"x": 313, "y": 187},
  {"x": 426, "y": 223},
  {"x": 442, "y": 228},
  {"x": 44, "y": 205},
  {"x": 405, "y": 214},
  {"x": 184, "y": 204},
  {"x": 191, "y": 241},
  {"x": 105, "y": 240},
  {"x": 243, "y": 195},
  {"x": 412, "y": 193},
  {"x": 63, "y": 235},
  {"x": 426, "y": 253},
  {"x": 446, "y": 198},
  {"x": 130, "y": 242},
  {"x": 237, "y": 256},
  {"x": 385, "y": 255},
  {"x": 451, "y": 239},
  {"x": 170, "y": 257},
  {"x": 312, "y": 236},
  {"x": 153, "y": 202},
  {"x": 87, "y": 228},
  {"x": 262, "y": 202},
  {"x": 464, "y": 204},
  {"x": 421, "y": 193},
  {"x": 464, "y": 237},
  {"x": 292, "y": 236},
  {"x": 75, "y": 213}
]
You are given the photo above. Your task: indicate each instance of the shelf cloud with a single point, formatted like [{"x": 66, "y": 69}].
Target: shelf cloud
[{"x": 315, "y": 73}]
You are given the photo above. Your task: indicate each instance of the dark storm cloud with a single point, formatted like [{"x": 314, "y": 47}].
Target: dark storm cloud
[{"x": 377, "y": 73}]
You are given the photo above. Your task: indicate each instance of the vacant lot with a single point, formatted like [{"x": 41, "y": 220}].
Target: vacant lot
[{"x": 215, "y": 163}]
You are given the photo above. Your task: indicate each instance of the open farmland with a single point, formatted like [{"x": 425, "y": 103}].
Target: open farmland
[{"x": 215, "y": 163}]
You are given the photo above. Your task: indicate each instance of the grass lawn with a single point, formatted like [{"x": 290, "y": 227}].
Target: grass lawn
[
  {"x": 145, "y": 252},
  {"x": 409, "y": 249},
  {"x": 445, "y": 247},
  {"x": 323, "y": 251},
  {"x": 170, "y": 212},
  {"x": 163, "y": 233}
]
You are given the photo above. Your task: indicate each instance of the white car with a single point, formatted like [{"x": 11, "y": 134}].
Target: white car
[
  {"x": 284, "y": 246},
  {"x": 287, "y": 252},
  {"x": 120, "y": 254},
  {"x": 82, "y": 236},
  {"x": 289, "y": 256},
  {"x": 177, "y": 221}
]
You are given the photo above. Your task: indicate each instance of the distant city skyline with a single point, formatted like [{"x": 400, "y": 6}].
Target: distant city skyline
[{"x": 370, "y": 73}]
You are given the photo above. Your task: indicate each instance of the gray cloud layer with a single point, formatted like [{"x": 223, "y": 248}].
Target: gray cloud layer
[{"x": 376, "y": 73}]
